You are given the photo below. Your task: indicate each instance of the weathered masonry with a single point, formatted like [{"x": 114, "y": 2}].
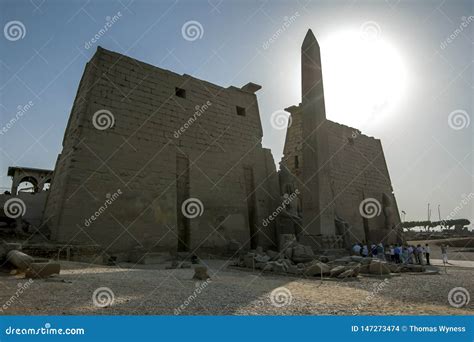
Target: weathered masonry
[
  {"x": 140, "y": 141},
  {"x": 162, "y": 161},
  {"x": 347, "y": 194}
]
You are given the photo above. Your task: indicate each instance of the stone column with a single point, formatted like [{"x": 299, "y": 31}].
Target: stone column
[{"x": 318, "y": 210}]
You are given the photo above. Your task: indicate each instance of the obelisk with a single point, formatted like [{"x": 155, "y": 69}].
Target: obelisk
[{"x": 318, "y": 209}]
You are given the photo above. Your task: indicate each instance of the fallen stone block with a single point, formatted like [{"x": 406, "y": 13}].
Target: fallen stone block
[
  {"x": 346, "y": 274},
  {"x": 279, "y": 267},
  {"x": 292, "y": 269},
  {"x": 368, "y": 260},
  {"x": 262, "y": 258},
  {"x": 364, "y": 268},
  {"x": 337, "y": 270},
  {"x": 346, "y": 259},
  {"x": 286, "y": 240},
  {"x": 317, "y": 269},
  {"x": 324, "y": 259},
  {"x": 249, "y": 260},
  {"x": 413, "y": 268},
  {"x": 19, "y": 259},
  {"x": 272, "y": 254},
  {"x": 357, "y": 258},
  {"x": 379, "y": 267},
  {"x": 200, "y": 273},
  {"x": 356, "y": 270},
  {"x": 302, "y": 253},
  {"x": 42, "y": 270},
  {"x": 394, "y": 268}
]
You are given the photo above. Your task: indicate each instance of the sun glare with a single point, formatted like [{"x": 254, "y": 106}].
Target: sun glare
[{"x": 364, "y": 79}]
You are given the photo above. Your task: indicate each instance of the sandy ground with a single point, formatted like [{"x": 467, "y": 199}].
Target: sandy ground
[{"x": 154, "y": 290}]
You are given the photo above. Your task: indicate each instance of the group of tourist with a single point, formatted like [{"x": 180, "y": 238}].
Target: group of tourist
[{"x": 399, "y": 254}]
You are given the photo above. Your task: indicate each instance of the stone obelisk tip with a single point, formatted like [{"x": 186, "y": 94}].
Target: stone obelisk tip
[{"x": 309, "y": 40}]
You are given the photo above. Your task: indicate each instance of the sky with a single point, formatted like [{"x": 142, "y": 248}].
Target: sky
[{"x": 401, "y": 71}]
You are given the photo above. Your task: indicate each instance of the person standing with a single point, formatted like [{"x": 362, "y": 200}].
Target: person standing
[
  {"x": 397, "y": 250},
  {"x": 410, "y": 254},
  {"x": 373, "y": 250},
  {"x": 405, "y": 255},
  {"x": 444, "y": 253},
  {"x": 365, "y": 251},
  {"x": 387, "y": 252},
  {"x": 356, "y": 249},
  {"x": 380, "y": 251},
  {"x": 427, "y": 253},
  {"x": 419, "y": 250}
]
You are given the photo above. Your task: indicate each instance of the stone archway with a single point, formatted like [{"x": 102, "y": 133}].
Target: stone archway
[{"x": 23, "y": 184}]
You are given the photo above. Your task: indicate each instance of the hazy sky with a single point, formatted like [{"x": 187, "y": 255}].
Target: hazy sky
[{"x": 388, "y": 67}]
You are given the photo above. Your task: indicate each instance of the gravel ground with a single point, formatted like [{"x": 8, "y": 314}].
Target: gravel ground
[{"x": 154, "y": 290}]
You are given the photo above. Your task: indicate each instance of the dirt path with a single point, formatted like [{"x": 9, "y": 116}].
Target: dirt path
[{"x": 230, "y": 292}]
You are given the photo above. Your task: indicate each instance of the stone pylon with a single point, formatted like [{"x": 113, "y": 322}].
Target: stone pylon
[{"x": 318, "y": 209}]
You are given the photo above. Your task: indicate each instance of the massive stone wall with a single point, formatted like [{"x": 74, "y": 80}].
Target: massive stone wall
[
  {"x": 122, "y": 186},
  {"x": 358, "y": 172}
]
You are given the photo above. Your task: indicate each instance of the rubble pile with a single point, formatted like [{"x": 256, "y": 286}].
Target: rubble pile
[{"x": 300, "y": 260}]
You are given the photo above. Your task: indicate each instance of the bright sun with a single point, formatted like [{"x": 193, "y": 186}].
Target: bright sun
[{"x": 364, "y": 79}]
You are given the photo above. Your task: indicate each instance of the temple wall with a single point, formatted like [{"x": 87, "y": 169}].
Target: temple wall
[
  {"x": 358, "y": 172},
  {"x": 153, "y": 155}
]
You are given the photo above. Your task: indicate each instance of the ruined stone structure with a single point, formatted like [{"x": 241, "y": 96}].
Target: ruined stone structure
[
  {"x": 39, "y": 178},
  {"x": 33, "y": 199},
  {"x": 346, "y": 173},
  {"x": 162, "y": 161}
]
